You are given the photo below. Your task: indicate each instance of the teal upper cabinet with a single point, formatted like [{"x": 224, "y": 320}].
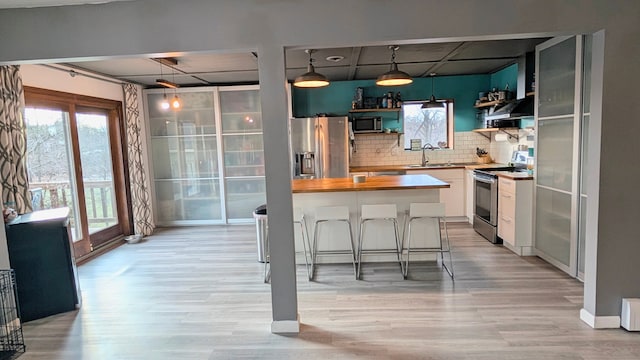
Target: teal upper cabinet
[{"x": 336, "y": 98}]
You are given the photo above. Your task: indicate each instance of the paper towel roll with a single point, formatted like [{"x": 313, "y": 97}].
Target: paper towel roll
[{"x": 502, "y": 137}]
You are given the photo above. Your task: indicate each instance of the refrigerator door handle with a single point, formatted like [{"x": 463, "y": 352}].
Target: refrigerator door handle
[{"x": 320, "y": 150}]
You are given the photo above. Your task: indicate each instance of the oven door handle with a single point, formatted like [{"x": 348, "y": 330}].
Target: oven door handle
[{"x": 484, "y": 179}]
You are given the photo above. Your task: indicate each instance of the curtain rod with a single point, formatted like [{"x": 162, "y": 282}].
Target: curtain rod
[{"x": 74, "y": 73}]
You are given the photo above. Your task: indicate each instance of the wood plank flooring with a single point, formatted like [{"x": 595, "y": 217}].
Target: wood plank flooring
[{"x": 197, "y": 293}]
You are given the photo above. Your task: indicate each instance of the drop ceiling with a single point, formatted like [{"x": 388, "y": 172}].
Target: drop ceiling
[{"x": 357, "y": 63}]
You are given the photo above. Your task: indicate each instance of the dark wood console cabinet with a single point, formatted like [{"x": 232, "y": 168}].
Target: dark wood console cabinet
[{"x": 41, "y": 254}]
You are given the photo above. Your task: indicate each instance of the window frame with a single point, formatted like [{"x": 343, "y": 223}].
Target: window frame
[
  {"x": 450, "y": 124},
  {"x": 73, "y": 103}
]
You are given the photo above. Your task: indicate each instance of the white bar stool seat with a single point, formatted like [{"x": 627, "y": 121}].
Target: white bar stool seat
[
  {"x": 379, "y": 212},
  {"x": 324, "y": 215},
  {"x": 434, "y": 212}
]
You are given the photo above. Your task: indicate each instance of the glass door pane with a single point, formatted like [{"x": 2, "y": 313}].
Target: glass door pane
[
  {"x": 555, "y": 153},
  {"x": 553, "y": 224},
  {"x": 184, "y": 147},
  {"x": 97, "y": 170},
  {"x": 241, "y": 122},
  {"x": 556, "y": 79},
  {"x": 50, "y": 164}
]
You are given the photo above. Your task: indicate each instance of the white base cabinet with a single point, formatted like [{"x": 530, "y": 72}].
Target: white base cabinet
[
  {"x": 515, "y": 215},
  {"x": 453, "y": 197}
]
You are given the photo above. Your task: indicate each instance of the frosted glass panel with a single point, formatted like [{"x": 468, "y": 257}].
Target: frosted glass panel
[
  {"x": 556, "y": 79},
  {"x": 586, "y": 74},
  {"x": 195, "y": 117},
  {"x": 555, "y": 153},
  {"x": 243, "y": 196},
  {"x": 584, "y": 146},
  {"x": 243, "y": 155},
  {"x": 240, "y": 111},
  {"x": 184, "y": 157},
  {"x": 553, "y": 224},
  {"x": 188, "y": 200},
  {"x": 582, "y": 234}
]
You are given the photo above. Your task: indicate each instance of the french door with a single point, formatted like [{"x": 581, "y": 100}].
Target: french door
[{"x": 75, "y": 160}]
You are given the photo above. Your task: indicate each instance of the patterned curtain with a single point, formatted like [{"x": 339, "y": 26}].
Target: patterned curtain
[
  {"x": 142, "y": 214},
  {"x": 13, "y": 147}
]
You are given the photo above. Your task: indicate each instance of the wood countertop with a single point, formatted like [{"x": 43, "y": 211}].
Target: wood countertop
[
  {"x": 514, "y": 175},
  {"x": 393, "y": 182}
]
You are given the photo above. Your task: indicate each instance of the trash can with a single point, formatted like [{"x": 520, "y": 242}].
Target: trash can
[{"x": 260, "y": 214}]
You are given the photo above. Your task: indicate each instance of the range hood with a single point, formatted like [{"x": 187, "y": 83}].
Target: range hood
[{"x": 513, "y": 110}]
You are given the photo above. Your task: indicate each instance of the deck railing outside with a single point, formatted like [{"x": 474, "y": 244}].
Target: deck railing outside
[{"x": 98, "y": 197}]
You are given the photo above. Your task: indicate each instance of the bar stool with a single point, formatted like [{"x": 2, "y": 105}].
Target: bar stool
[
  {"x": 380, "y": 212},
  {"x": 434, "y": 213},
  {"x": 325, "y": 215},
  {"x": 298, "y": 218}
]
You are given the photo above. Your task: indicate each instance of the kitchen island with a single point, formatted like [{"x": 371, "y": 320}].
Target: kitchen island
[{"x": 397, "y": 189}]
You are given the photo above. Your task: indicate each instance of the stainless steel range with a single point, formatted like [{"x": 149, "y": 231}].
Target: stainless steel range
[{"x": 485, "y": 195}]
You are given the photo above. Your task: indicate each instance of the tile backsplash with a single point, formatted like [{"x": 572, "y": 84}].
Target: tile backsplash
[{"x": 383, "y": 149}]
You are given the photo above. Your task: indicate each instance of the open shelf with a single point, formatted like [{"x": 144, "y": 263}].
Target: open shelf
[
  {"x": 489, "y": 103},
  {"x": 485, "y": 131},
  {"x": 375, "y": 110}
]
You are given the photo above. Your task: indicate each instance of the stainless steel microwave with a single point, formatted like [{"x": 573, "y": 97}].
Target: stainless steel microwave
[{"x": 367, "y": 124}]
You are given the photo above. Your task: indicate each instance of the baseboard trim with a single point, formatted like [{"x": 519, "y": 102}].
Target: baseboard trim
[
  {"x": 286, "y": 326},
  {"x": 599, "y": 322}
]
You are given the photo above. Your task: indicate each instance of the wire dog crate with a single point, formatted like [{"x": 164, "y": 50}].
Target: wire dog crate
[{"x": 11, "y": 339}]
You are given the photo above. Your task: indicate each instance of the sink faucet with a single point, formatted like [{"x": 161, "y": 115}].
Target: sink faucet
[{"x": 425, "y": 159}]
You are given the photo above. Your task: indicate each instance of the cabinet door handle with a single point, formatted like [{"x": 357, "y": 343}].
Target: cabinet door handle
[
  {"x": 506, "y": 219},
  {"x": 506, "y": 196}
]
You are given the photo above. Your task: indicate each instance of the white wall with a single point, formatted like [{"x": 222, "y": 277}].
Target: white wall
[{"x": 47, "y": 78}]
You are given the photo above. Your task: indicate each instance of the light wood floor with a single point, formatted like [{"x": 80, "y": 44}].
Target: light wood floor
[{"x": 197, "y": 293}]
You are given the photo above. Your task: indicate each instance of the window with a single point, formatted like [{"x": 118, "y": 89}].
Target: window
[
  {"x": 432, "y": 126},
  {"x": 75, "y": 159}
]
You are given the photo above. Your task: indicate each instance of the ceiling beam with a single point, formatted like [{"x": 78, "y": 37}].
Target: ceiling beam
[
  {"x": 353, "y": 63},
  {"x": 444, "y": 59}
]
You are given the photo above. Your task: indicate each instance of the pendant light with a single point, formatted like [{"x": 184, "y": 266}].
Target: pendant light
[
  {"x": 432, "y": 103},
  {"x": 164, "y": 104},
  {"x": 311, "y": 79},
  {"x": 176, "y": 104},
  {"x": 394, "y": 77}
]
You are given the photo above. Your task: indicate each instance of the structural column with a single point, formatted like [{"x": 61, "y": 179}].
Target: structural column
[{"x": 275, "y": 118}]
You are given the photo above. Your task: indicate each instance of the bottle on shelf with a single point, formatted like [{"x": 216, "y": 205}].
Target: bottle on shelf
[
  {"x": 390, "y": 100},
  {"x": 398, "y": 100},
  {"x": 384, "y": 101}
]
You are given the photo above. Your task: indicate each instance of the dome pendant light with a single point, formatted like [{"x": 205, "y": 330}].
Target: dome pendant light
[
  {"x": 432, "y": 103},
  {"x": 394, "y": 77},
  {"x": 311, "y": 79}
]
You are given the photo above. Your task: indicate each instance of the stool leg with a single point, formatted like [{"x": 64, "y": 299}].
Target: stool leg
[
  {"x": 267, "y": 259},
  {"x": 446, "y": 236},
  {"x": 305, "y": 244},
  {"x": 314, "y": 253},
  {"x": 406, "y": 265},
  {"x": 353, "y": 250},
  {"x": 360, "y": 240},
  {"x": 398, "y": 245}
]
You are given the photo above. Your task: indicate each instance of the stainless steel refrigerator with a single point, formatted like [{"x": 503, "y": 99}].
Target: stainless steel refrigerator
[{"x": 319, "y": 147}]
